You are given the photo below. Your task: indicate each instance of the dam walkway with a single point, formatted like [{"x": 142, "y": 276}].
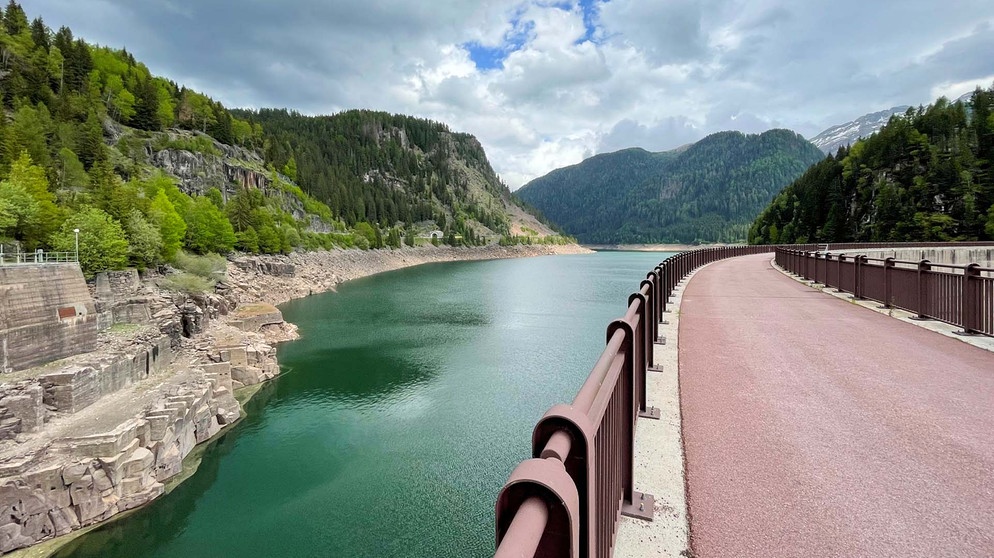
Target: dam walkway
[{"x": 814, "y": 427}]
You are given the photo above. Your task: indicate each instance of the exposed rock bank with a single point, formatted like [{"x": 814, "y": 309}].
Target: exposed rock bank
[{"x": 278, "y": 279}]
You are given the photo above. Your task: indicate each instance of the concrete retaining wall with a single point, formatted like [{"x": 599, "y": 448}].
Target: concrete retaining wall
[{"x": 46, "y": 313}]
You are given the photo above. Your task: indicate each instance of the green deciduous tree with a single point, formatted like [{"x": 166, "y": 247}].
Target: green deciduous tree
[
  {"x": 102, "y": 242},
  {"x": 366, "y": 231},
  {"x": 70, "y": 172},
  {"x": 172, "y": 228},
  {"x": 270, "y": 241},
  {"x": 290, "y": 169},
  {"x": 29, "y": 131},
  {"x": 207, "y": 228},
  {"x": 47, "y": 215},
  {"x": 248, "y": 240},
  {"x": 144, "y": 239},
  {"x": 17, "y": 210}
]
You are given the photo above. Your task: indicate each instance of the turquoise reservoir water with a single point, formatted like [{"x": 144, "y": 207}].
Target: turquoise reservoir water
[{"x": 400, "y": 413}]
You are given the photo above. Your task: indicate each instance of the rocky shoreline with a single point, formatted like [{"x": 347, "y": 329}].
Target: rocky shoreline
[
  {"x": 279, "y": 279},
  {"x": 101, "y": 433}
]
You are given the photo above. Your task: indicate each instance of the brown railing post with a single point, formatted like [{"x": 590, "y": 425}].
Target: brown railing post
[
  {"x": 924, "y": 266},
  {"x": 969, "y": 299},
  {"x": 858, "y": 277},
  {"x": 629, "y": 504},
  {"x": 838, "y": 274},
  {"x": 642, "y": 356},
  {"x": 888, "y": 294}
]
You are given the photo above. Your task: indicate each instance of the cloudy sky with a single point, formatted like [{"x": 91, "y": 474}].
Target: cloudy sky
[{"x": 546, "y": 83}]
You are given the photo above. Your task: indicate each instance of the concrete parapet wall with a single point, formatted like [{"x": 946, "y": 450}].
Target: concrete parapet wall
[
  {"x": 46, "y": 313},
  {"x": 984, "y": 256}
]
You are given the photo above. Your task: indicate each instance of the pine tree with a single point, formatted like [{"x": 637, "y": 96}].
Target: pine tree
[{"x": 146, "y": 106}]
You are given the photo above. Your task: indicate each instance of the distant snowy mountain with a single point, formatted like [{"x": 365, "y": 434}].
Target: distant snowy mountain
[{"x": 831, "y": 139}]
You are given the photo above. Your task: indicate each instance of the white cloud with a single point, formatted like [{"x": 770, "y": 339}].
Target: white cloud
[{"x": 656, "y": 74}]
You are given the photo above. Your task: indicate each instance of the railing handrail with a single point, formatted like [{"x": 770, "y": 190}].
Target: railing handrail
[
  {"x": 38, "y": 257},
  {"x": 565, "y": 500},
  {"x": 896, "y": 261}
]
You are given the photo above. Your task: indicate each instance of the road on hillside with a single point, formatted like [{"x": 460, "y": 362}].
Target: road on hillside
[{"x": 814, "y": 427}]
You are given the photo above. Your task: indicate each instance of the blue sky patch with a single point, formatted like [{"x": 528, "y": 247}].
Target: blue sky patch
[
  {"x": 591, "y": 9},
  {"x": 493, "y": 57}
]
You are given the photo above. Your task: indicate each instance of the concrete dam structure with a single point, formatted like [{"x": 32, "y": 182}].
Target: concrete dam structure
[{"x": 46, "y": 314}]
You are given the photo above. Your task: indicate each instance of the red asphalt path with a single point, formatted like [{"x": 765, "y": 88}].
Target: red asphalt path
[{"x": 813, "y": 427}]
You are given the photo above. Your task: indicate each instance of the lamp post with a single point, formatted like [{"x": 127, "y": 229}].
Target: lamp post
[{"x": 76, "y": 231}]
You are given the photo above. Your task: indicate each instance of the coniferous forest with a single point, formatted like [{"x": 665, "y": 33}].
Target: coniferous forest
[{"x": 926, "y": 176}]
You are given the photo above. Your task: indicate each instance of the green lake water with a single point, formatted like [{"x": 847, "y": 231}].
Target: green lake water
[{"x": 399, "y": 415}]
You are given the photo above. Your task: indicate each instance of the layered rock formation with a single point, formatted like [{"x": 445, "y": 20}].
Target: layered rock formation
[{"x": 92, "y": 435}]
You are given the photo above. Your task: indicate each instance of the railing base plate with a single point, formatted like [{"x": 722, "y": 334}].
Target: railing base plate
[
  {"x": 661, "y": 340},
  {"x": 964, "y": 333},
  {"x": 650, "y": 413},
  {"x": 655, "y": 369},
  {"x": 641, "y": 508},
  {"x": 920, "y": 319}
]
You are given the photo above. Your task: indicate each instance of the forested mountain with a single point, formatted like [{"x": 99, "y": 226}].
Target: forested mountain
[
  {"x": 143, "y": 167},
  {"x": 378, "y": 167},
  {"x": 926, "y": 175},
  {"x": 707, "y": 192}
]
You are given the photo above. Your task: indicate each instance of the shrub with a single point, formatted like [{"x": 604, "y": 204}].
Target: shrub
[
  {"x": 186, "y": 283},
  {"x": 209, "y": 266}
]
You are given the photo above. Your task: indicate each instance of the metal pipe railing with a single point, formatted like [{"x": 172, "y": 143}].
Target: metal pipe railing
[{"x": 37, "y": 257}]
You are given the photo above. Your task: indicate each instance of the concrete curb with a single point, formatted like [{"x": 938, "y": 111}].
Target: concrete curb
[{"x": 659, "y": 459}]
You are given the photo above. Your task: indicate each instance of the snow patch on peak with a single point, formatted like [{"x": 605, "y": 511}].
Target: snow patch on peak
[{"x": 831, "y": 139}]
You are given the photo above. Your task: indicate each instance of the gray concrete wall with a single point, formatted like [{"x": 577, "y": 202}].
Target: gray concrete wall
[
  {"x": 952, "y": 256},
  {"x": 31, "y": 329}
]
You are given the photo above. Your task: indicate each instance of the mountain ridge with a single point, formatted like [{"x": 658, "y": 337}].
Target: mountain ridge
[{"x": 706, "y": 192}]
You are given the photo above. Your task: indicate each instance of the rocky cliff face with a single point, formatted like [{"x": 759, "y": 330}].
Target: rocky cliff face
[{"x": 200, "y": 163}]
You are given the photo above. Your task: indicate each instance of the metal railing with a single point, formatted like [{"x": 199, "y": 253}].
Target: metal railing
[
  {"x": 567, "y": 499},
  {"x": 37, "y": 257},
  {"x": 961, "y": 295}
]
